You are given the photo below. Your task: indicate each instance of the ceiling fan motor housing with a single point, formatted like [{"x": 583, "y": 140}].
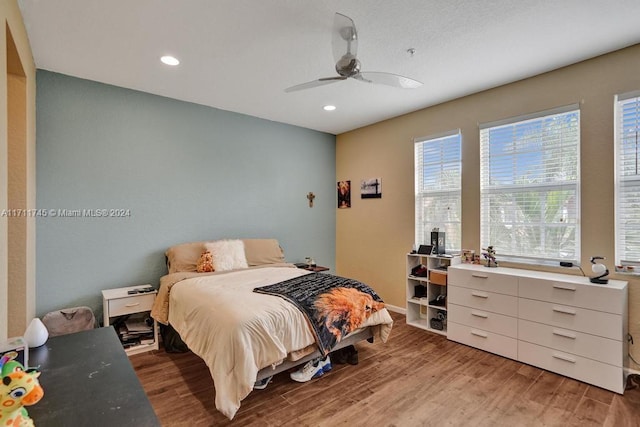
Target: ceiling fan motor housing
[{"x": 348, "y": 66}]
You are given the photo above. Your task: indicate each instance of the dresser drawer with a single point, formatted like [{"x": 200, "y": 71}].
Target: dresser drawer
[
  {"x": 485, "y": 280},
  {"x": 594, "y": 297},
  {"x": 484, "y": 340},
  {"x": 485, "y": 320},
  {"x": 483, "y": 300},
  {"x": 605, "y": 325},
  {"x": 583, "y": 369},
  {"x": 597, "y": 348},
  {"x": 129, "y": 305}
]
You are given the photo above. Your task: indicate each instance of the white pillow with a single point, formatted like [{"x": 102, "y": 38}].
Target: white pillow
[{"x": 227, "y": 254}]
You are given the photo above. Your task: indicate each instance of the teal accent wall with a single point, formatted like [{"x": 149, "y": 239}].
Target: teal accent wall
[{"x": 183, "y": 171}]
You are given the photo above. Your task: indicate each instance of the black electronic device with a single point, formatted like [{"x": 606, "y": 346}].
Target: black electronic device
[
  {"x": 144, "y": 290},
  {"x": 425, "y": 250}
]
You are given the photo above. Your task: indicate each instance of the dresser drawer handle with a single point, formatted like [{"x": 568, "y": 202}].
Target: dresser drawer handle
[
  {"x": 565, "y": 287},
  {"x": 564, "y": 334},
  {"x": 564, "y": 311},
  {"x": 565, "y": 358},
  {"x": 132, "y": 304},
  {"x": 480, "y": 295},
  {"x": 479, "y": 276},
  {"x": 478, "y": 333},
  {"x": 479, "y": 314}
]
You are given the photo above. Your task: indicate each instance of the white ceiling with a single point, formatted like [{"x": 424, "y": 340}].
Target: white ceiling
[{"x": 240, "y": 55}]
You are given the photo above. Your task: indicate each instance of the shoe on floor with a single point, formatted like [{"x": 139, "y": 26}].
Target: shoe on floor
[
  {"x": 262, "y": 384},
  {"x": 339, "y": 356},
  {"x": 352, "y": 357},
  {"x": 312, "y": 369}
]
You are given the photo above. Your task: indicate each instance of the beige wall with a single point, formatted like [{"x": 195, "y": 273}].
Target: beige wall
[
  {"x": 17, "y": 172},
  {"x": 373, "y": 236}
]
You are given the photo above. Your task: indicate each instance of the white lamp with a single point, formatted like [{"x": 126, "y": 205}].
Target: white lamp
[
  {"x": 600, "y": 271},
  {"x": 36, "y": 333}
]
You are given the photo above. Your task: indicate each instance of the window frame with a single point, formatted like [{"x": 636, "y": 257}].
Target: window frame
[
  {"x": 543, "y": 190},
  {"x": 452, "y": 245},
  {"x": 621, "y": 256}
]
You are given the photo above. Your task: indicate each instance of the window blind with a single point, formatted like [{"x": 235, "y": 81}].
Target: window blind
[
  {"x": 438, "y": 166},
  {"x": 628, "y": 181},
  {"x": 529, "y": 187}
]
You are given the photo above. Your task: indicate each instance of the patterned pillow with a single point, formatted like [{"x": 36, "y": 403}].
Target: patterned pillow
[{"x": 205, "y": 263}]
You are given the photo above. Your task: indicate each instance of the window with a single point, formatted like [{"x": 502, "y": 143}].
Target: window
[
  {"x": 627, "y": 180},
  {"x": 529, "y": 187},
  {"x": 438, "y": 167}
]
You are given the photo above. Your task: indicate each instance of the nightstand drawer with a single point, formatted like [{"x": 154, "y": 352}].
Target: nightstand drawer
[{"x": 132, "y": 304}]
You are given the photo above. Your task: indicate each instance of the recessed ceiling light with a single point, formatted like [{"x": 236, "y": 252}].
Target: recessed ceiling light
[
  {"x": 329, "y": 107},
  {"x": 169, "y": 60}
]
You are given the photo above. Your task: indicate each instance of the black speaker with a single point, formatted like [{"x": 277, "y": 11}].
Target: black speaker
[{"x": 437, "y": 241}]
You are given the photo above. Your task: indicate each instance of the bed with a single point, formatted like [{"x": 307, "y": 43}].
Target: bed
[{"x": 241, "y": 334}]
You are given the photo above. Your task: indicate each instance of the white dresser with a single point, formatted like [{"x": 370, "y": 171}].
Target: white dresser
[{"x": 558, "y": 322}]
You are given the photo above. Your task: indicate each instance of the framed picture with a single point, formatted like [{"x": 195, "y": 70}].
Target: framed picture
[
  {"x": 467, "y": 256},
  {"x": 371, "y": 188},
  {"x": 344, "y": 194}
]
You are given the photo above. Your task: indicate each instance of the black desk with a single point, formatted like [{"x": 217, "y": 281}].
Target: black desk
[{"x": 88, "y": 381}]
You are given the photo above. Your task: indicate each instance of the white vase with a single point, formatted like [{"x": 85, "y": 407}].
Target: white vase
[{"x": 36, "y": 333}]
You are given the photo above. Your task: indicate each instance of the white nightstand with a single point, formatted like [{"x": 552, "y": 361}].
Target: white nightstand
[{"x": 118, "y": 302}]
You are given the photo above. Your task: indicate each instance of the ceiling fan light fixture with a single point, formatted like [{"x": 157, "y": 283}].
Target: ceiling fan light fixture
[
  {"x": 170, "y": 60},
  {"x": 329, "y": 107}
]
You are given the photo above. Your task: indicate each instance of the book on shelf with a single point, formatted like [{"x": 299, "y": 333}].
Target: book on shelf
[
  {"x": 139, "y": 323},
  {"x": 135, "y": 329}
]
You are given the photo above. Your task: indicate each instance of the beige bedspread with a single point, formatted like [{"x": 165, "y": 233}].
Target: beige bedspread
[
  {"x": 236, "y": 331},
  {"x": 160, "y": 310}
]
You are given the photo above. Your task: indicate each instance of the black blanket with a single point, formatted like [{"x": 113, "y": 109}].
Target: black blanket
[{"x": 333, "y": 305}]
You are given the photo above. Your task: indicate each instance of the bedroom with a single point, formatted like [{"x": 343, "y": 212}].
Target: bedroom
[{"x": 107, "y": 135}]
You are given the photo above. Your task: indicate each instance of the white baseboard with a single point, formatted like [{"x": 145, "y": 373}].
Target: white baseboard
[
  {"x": 629, "y": 371},
  {"x": 396, "y": 309}
]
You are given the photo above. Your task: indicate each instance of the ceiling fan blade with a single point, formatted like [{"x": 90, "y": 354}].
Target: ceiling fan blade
[
  {"x": 315, "y": 83},
  {"x": 388, "y": 79},
  {"x": 345, "y": 37}
]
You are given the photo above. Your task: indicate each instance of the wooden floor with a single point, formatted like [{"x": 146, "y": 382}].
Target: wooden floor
[{"x": 416, "y": 379}]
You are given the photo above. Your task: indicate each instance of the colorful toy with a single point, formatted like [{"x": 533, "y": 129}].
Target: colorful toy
[
  {"x": 18, "y": 388},
  {"x": 490, "y": 256}
]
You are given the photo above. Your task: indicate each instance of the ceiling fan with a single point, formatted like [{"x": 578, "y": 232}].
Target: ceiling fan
[{"x": 345, "y": 49}]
